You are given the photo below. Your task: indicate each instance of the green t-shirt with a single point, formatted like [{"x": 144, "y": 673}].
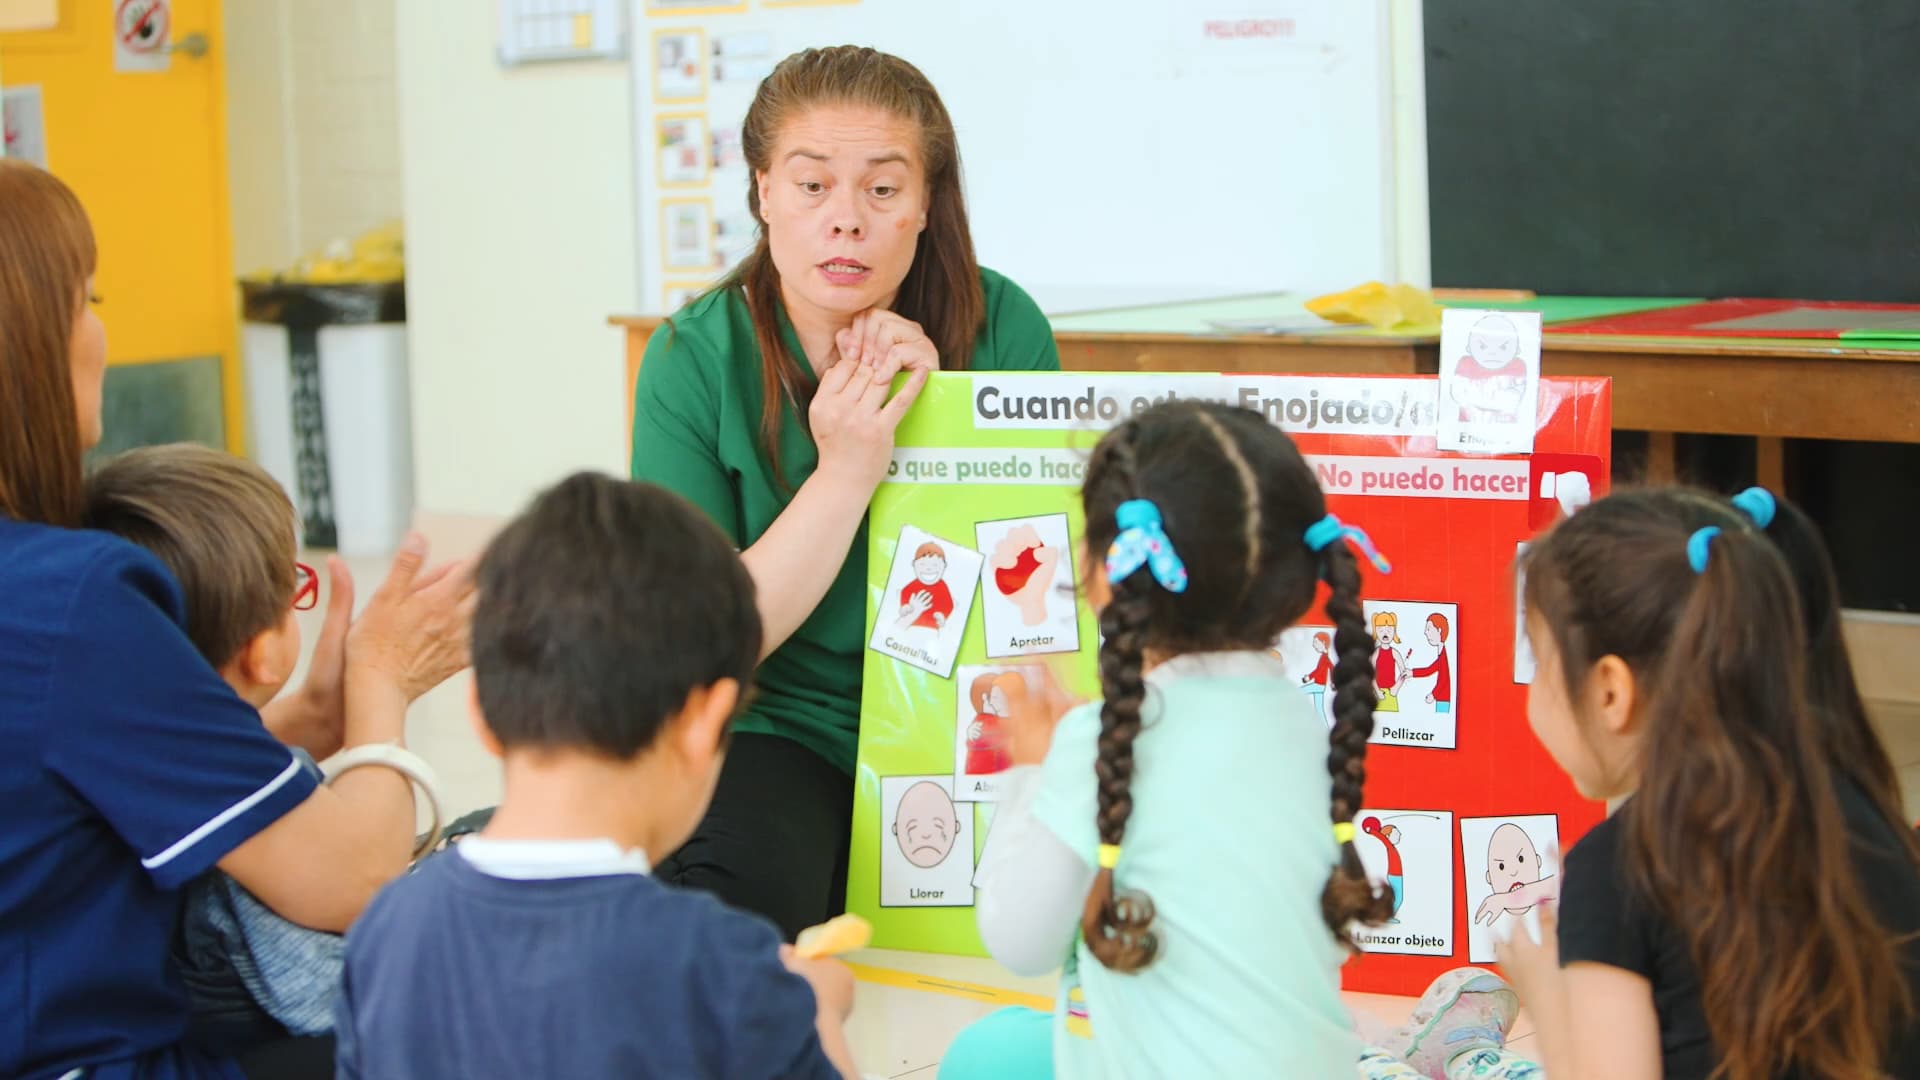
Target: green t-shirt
[{"x": 696, "y": 431}]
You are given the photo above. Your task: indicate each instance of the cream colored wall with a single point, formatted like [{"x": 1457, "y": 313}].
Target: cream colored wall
[
  {"x": 519, "y": 212},
  {"x": 259, "y": 139},
  {"x": 312, "y": 124},
  {"x": 1412, "y": 238}
]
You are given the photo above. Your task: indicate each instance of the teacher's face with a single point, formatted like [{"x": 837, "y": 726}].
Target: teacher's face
[
  {"x": 87, "y": 354},
  {"x": 845, "y": 201}
]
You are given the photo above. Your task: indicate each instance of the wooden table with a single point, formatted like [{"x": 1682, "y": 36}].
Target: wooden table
[
  {"x": 1771, "y": 391},
  {"x": 1766, "y": 390}
]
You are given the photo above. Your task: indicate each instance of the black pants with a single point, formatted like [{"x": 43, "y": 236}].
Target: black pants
[
  {"x": 305, "y": 1058},
  {"x": 775, "y": 840}
]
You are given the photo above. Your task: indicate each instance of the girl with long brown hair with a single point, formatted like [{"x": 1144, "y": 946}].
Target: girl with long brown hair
[
  {"x": 131, "y": 767},
  {"x": 1185, "y": 845},
  {"x": 1752, "y": 909},
  {"x": 767, "y": 403}
]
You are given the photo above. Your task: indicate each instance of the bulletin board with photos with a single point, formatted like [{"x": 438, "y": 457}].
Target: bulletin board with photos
[{"x": 972, "y": 577}]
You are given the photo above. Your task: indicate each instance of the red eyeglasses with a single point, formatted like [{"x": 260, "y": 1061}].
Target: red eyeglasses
[{"x": 306, "y": 591}]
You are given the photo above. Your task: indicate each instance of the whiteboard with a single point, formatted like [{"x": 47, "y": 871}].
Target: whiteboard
[{"x": 1146, "y": 149}]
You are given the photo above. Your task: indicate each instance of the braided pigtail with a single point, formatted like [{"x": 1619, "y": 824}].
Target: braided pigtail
[
  {"x": 1349, "y": 896},
  {"x": 1116, "y": 928}
]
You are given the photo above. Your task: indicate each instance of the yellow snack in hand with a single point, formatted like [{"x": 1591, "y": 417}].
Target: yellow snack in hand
[{"x": 841, "y": 934}]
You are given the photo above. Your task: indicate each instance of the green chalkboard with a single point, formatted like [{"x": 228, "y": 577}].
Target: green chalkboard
[{"x": 1639, "y": 148}]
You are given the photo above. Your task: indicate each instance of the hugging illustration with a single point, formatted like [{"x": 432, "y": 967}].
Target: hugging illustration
[
  {"x": 926, "y": 601},
  {"x": 994, "y": 695}
]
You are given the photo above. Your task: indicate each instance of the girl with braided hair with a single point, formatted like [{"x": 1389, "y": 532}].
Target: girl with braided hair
[{"x": 1185, "y": 845}]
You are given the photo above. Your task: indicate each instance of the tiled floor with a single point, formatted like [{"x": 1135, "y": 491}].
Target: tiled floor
[{"x": 897, "y": 1031}]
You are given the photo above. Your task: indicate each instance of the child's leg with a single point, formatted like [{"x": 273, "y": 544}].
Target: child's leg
[
  {"x": 1372, "y": 1030},
  {"x": 1493, "y": 1065},
  {"x": 1012, "y": 1044},
  {"x": 1466, "y": 1011}
]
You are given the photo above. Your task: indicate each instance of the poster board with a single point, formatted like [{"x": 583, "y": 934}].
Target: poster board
[{"x": 982, "y": 452}]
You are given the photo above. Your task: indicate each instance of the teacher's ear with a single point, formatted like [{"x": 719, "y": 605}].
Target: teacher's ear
[{"x": 763, "y": 187}]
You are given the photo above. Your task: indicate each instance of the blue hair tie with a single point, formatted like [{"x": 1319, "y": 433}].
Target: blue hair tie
[
  {"x": 1324, "y": 533},
  {"x": 1758, "y": 504},
  {"x": 1143, "y": 542},
  {"x": 1697, "y": 547}
]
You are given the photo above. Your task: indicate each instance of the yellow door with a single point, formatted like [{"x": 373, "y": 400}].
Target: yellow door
[{"x": 146, "y": 152}]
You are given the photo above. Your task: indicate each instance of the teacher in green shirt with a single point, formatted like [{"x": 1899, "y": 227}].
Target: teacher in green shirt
[{"x": 768, "y": 404}]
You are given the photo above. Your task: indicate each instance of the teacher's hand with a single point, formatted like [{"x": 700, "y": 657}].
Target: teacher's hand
[
  {"x": 853, "y": 419},
  {"x": 878, "y": 335},
  {"x": 415, "y": 630}
]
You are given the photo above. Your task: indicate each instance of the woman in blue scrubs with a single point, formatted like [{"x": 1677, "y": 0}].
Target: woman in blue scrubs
[{"x": 129, "y": 767}]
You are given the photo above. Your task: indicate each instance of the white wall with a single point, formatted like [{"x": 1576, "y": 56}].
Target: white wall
[
  {"x": 518, "y": 196},
  {"x": 312, "y": 124},
  {"x": 1412, "y": 233},
  {"x": 260, "y": 178}
]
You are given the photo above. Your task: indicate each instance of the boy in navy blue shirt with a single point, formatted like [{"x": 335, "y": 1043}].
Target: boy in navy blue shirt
[{"x": 615, "y": 631}]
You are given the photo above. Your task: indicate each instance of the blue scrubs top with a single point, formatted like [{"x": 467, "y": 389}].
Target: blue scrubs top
[{"x": 127, "y": 768}]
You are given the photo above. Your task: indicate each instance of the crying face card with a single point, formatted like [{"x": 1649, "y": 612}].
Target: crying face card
[{"x": 926, "y": 844}]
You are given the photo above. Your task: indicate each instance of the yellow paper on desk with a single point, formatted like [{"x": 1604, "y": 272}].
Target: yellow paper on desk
[{"x": 1383, "y": 307}]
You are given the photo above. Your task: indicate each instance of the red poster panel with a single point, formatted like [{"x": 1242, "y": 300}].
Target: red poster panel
[{"x": 1462, "y": 800}]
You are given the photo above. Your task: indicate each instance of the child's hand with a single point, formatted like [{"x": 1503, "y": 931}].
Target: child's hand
[
  {"x": 1033, "y": 720},
  {"x": 315, "y": 717},
  {"x": 1532, "y": 967},
  {"x": 832, "y": 982}
]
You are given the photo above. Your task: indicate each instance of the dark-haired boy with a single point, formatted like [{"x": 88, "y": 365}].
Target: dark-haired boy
[{"x": 615, "y": 631}]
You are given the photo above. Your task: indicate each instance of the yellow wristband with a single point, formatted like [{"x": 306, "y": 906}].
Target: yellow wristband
[
  {"x": 1109, "y": 856},
  {"x": 1343, "y": 833}
]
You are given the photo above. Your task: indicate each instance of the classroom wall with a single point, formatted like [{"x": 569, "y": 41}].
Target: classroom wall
[
  {"x": 518, "y": 198},
  {"x": 1414, "y": 253},
  {"x": 312, "y": 124}
]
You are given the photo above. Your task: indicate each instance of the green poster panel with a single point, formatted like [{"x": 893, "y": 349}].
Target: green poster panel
[{"x": 920, "y": 817}]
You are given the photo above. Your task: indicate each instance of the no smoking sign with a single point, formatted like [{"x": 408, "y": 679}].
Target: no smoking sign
[{"x": 142, "y": 32}]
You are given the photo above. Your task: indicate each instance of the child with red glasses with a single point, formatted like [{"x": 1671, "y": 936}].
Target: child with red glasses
[{"x": 226, "y": 531}]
